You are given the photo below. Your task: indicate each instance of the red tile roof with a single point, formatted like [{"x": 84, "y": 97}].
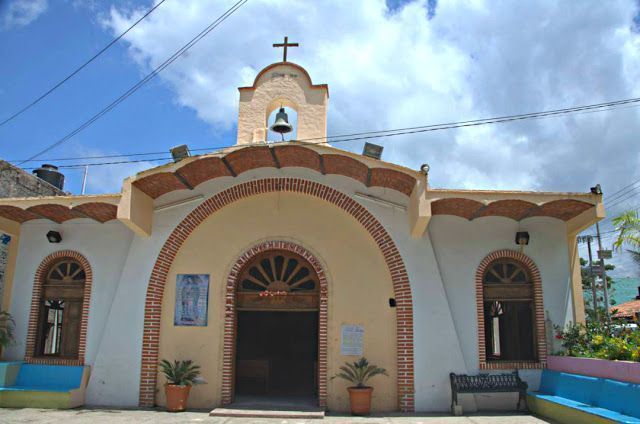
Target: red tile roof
[{"x": 627, "y": 309}]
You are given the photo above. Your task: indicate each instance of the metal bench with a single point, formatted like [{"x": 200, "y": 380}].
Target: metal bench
[{"x": 488, "y": 383}]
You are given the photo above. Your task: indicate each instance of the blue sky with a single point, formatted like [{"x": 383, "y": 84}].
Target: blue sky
[
  {"x": 38, "y": 55},
  {"x": 58, "y": 40},
  {"x": 389, "y": 64}
]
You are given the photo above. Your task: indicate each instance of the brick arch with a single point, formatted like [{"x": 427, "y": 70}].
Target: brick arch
[
  {"x": 36, "y": 297},
  {"x": 541, "y": 341},
  {"x": 395, "y": 264},
  {"x": 230, "y": 316}
]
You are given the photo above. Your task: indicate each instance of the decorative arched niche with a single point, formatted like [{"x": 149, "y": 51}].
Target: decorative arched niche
[{"x": 291, "y": 109}]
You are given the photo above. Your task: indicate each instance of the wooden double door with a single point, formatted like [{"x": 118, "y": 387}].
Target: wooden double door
[{"x": 277, "y": 353}]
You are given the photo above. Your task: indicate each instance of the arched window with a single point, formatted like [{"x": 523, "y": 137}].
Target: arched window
[
  {"x": 60, "y": 310},
  {"x": 278, "y": 280},
  {"x": 509, "y": 311}
]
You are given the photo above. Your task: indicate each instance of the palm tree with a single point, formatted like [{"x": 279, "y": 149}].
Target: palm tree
[{"x": 627, "y": 224}]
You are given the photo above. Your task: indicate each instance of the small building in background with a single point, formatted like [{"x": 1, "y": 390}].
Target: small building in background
[
  {"x": 629, "y": 311},
  {"x": 16, "y": 182}
]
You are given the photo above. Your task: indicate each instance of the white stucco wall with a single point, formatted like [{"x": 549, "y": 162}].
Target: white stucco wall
[
  {"x": 441, "y": 268},
  {"x": 104, "y": 245},
  {"x": 460, "y": 246}
]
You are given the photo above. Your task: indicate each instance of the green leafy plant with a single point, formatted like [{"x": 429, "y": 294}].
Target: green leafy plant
[
  {"x": 627, "y": 225},
  {"x": 7, "y": 327},
  {"x": 359, "y": 372},
  {"x": 615, "y": 341},
  {"x": 180, "y": 373}
]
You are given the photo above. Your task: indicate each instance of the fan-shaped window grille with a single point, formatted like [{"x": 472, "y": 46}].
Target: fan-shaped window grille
[
  {"x": 508, "y": 312},
  {"x": 61, "y": 310},
  {"x": 278, "y": 280},
  {"x": 278, "y": 271}
]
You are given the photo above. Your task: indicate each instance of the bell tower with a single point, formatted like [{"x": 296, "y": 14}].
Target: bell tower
[{"x": 283, "y": 84}]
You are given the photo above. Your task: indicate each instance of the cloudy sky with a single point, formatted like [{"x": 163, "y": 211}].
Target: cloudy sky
[{"x": 388, "y": 64}]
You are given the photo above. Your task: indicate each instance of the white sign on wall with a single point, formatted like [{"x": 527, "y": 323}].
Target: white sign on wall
[{"x": 351, "y": 340}]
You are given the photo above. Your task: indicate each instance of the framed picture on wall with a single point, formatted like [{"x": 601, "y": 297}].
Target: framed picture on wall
[{"x": 192, "y": 300}]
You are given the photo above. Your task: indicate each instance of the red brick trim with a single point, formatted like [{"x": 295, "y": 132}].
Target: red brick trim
[
  {"x": 38, "y": 282},
  {"x": 228, "y": 368},
  {"x": 538, "y": 308},
  {"x": 395, "y": 264}
]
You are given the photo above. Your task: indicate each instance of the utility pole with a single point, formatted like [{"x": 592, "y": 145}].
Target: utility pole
[
  {"x": 588, "y": 239},
  {"x": 605, "y": 289},
  {"x": 84, "y": 179},
  {"x": 601, "y": 256}
]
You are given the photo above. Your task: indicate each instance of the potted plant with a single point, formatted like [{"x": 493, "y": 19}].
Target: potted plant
[
  {"x": 358, "y": 373},
  {"x": 181, "y": 375}
]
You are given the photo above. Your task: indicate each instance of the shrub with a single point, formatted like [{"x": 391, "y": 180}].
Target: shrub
[
  {"x": 7, "y": 326},
  {"x": 598, "y": 340}
]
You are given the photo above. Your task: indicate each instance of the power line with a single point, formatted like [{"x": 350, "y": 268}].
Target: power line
[
  {"x": 121, "y": 155},
  {"x": 617, "y": 193},
  {"x": 628, "y": 195},
  {"x": 399, "y": 131},
  {"x": 81, "y": 67},
  {"x": 146, "y": 79},
  {"x": 82, "y": 165}
]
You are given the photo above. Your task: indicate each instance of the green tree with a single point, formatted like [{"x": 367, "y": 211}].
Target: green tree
[{"x": 627, "y": 224}]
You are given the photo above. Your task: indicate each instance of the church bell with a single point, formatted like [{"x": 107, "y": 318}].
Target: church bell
[{"x": 281, "y": 125}]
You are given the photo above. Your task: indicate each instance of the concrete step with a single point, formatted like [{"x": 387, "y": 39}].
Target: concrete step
[{"x": 247, "y": 412}]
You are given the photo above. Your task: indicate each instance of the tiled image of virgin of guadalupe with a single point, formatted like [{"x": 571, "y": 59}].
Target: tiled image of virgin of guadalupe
[{"x": 191, "y": 299}]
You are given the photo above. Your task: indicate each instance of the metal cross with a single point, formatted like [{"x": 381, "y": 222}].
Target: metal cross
[{"x": 285, "y": 45}]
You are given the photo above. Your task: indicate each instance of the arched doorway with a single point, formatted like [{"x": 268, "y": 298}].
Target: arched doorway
[
  {"x": 277, "y": 334},
  {"x": 159, "y": 277}
]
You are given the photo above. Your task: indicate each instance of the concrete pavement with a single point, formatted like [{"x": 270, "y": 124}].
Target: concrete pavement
[{"x": 104, "y": 415}]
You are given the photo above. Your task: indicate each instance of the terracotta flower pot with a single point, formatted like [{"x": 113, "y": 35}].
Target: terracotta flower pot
[
  {"x": 360, "y": 398},
  {"x": 177, "y": 397}
]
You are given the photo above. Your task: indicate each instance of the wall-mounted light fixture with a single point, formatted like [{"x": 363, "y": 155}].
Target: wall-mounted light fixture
[
  {"x": 180, "y": 152},
  {"x": 522, "y": 239},
  {"x": 372, "y": 150},
  {"x": 596, "y": 190},
  {"x": 54, "y": 236}
]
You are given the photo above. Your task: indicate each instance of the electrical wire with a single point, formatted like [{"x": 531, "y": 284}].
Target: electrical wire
[
  {"x": 397, "y": 131},
  {"x": 618, "y": 193},
  {"x": 80, "y": 68},
  {"x": 82, "y": 165},
  {"x": 630, "y": 194},
  {"x": 146, "y": 79}
]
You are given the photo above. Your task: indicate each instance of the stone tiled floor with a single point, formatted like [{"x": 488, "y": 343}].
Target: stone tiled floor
[{"x": 99, "y": 416}]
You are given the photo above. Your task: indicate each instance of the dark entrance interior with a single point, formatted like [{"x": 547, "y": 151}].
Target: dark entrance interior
[{"x": 277, "y": 353}]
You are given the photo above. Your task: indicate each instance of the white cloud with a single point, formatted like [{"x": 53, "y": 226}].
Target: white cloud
[
  {"x": 20, "y": 13},
  {"x": 389, "y": 70}
]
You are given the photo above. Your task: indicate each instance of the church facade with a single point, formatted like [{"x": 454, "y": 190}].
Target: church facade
[{"x": 271, "y": 264}]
